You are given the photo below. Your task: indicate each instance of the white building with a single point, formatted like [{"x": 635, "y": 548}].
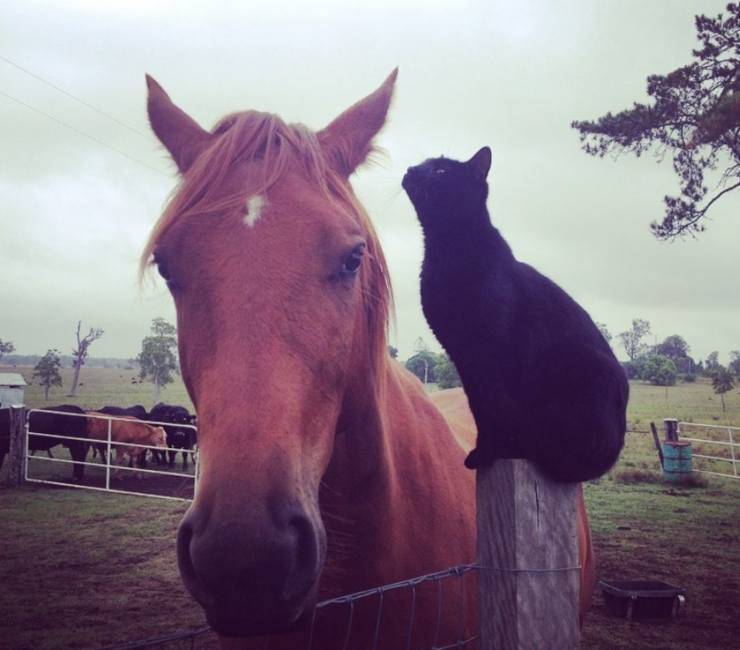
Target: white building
[{"x": 12, "y": 386}]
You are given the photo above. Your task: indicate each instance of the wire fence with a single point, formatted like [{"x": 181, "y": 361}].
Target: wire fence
[{"x": 378, "y": 599}]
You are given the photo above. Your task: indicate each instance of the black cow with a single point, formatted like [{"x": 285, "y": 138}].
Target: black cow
[
  {"x": 137, "y": 411},
  {"x": 51, "y": 423},
  {"x": 177, "y": 436}
]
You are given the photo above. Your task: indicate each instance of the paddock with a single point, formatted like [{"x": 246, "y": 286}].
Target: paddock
[{"x": 118, "y": 552}]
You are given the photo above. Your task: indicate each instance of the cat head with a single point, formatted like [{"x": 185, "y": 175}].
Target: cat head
[{"x": 439, "y": 186}]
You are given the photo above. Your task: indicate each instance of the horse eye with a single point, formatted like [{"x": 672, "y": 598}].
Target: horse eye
[
  {"x": 163, "y": 270},
  {"x": 353, "y": 261}
]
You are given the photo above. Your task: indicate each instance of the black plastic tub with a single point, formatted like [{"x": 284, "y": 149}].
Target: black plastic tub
[{"x": 642, "y": 600}]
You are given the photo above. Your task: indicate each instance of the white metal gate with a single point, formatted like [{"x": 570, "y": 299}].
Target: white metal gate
[
  {"x": 714, "y": 437},
  {"x": 110, "y": 445}
]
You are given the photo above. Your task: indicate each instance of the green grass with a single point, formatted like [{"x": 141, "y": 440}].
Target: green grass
[
  {"x": 102, "y": 387},
  {"x": 83, "y": 569}
]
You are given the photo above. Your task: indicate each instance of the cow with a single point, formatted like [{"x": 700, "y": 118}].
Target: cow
[
  {"x": 54, "y": 424},
  {"x": 137, "y": 411},
  {"x": 124, "y": 429},
  {"x": 178, "y": 437}
]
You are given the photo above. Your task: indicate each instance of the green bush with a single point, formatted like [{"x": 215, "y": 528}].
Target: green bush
[
  {"x": 659, "y": 370},
  {"x": 446, "y": 372}
]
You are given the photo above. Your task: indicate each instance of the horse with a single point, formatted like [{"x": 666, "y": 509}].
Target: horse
[{"x": 325, "y": 467}]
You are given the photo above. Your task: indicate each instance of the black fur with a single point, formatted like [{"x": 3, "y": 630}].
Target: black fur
[{"x": 542, "y": 382}]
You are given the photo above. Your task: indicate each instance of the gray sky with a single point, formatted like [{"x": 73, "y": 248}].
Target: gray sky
[{"x": 75, "y": 214}]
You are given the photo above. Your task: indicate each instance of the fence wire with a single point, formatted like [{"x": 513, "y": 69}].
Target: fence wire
[
  {"x": 183, "y": 640},
  {"x": 188, "y": 639}
]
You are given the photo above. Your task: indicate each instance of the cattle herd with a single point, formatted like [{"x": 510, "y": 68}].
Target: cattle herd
[{"x": 166, "y": 429}]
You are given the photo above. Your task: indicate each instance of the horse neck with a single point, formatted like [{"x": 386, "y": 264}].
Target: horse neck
[{"x": 394, "y": 459}]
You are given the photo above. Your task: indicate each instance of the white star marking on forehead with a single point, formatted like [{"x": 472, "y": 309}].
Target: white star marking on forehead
[{"x": 254, "y": 209}]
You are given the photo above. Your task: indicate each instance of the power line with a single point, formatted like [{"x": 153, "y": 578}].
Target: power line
[
  {"x": 82, "y": 133},
  {"x": 71, "y": 96}
]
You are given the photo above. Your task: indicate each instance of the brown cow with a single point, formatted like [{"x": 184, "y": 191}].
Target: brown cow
[{"x": 124, "y": 429}]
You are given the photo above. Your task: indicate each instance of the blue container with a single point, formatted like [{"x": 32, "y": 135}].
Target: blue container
[{"x": 676, "y": 461}]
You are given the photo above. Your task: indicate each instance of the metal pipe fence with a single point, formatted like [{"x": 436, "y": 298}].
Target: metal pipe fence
[
  {"x": 110, "y": 444},
  {"x": 730, "y": 445}
]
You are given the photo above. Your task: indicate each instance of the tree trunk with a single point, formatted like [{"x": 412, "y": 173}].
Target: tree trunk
[
  {"x": 75, "y": 379},
  {"x": 722, "y": 398},
  {"x": 46, "y": 392},
  {"x": 157, "y": 391}
]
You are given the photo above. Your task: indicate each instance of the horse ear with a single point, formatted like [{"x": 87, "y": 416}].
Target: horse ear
[
  {"x": 175, "y": 129},
  {"x": 347, "y": 141},
  {"x": 481, "y": 162}
]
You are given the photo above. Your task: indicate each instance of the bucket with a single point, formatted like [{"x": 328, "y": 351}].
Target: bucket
[{"x": 676, "y": 461}]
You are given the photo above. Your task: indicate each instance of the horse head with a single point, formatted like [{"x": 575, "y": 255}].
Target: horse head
[{"x": 282, "y": 295}]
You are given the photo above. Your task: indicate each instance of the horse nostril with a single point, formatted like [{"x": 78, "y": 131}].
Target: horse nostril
[
  {"x": 184, "y": 561},
  {"x": 307, "y": 560}
]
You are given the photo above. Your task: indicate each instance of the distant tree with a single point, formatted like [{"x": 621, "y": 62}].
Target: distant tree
[
  {"x": 677, "y": 350},
  {"x": 711, "y": 365},
  {"x": 659, "y": 370},
  {"x": 157, "y": 359},
  {"x": 79, "y": 354},
  {"x": 722, "y": 383},
  {"x": 695, "y": 114},
  {"x": 604, "y": 332},
  {"x": 393, "y": 351},
  {"x": 734, "y": 365},
  {"x": 423, "y": 365},
  {"x": 446, "y": 372},
  {"x": 47, "y": 371},
  {"x": 632, "y": 338},
  {"x": 420, "y": 345},
  {"x": 6, "y": 347}
]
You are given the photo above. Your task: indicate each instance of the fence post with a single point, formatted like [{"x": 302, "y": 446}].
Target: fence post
[
  {"x": 17, "y": 450},
  {"x": 671, "y": 429},
  {"x": 526, "y": 521}
]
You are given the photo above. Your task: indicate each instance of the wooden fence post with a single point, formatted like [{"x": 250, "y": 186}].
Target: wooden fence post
[
  {"x": 671, "y": 429},
  {"x": 17, "y": 451},
  {"x": 526, "y": 521}
]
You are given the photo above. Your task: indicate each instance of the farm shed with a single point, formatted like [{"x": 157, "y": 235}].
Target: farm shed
[{"x": 12, "y": 386}]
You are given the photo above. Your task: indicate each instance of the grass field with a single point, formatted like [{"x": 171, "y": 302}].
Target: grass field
[
  {"x": 102, "y": 387},
  {"x": 84, "y": 570}
]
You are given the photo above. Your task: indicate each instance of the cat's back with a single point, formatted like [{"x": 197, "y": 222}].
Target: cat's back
[{"x": 545, "y": 307}]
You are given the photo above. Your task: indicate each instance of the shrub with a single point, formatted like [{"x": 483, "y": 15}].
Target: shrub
[{"x": 659, "y": 370}]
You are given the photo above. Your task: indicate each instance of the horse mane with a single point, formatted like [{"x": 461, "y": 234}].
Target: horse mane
[{"x": 277, "y": 146}]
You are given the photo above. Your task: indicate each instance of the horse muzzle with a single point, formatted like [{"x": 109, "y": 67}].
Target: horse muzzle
[{"x": 252, "y": 577}]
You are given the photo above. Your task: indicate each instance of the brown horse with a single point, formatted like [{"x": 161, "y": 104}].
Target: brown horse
[{"x": 325, "y": 467}]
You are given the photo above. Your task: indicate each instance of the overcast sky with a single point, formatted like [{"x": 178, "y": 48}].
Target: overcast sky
[{"x": 512, "y": 75}]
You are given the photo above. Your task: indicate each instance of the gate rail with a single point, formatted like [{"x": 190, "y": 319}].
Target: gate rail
[
  {"x": 732, "y": 444},
  {"x": 110, "y": 445}
]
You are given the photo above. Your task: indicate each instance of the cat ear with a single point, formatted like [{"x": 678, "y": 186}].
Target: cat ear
[
  {"x": 347, "y": 141},
  {"x": 175, "y": 129},
  {"x": 481, "y": 163}
]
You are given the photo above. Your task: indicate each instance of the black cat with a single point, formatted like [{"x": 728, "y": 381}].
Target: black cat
[{"x": 542, "y": 382}]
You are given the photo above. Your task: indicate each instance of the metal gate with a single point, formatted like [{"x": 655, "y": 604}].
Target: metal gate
[
  {"x": 714, "y": 437},
  {"x": 111, "y": 479}
]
